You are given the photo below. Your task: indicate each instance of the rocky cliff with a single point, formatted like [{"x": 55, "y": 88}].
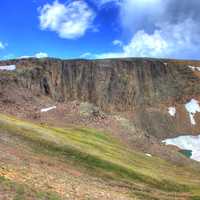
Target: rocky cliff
[{"x": 144, "y": 87}]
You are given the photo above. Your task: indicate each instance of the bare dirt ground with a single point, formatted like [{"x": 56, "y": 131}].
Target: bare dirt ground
[{"x": 18, "y": 163}]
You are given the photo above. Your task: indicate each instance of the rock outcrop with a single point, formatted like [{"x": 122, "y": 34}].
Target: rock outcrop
[{"x": 144, "y": 87}]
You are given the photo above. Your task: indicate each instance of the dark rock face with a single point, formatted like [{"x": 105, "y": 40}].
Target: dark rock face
[
  {"x": 146, "y": 87},
  {"x": 121, "y": 85}
]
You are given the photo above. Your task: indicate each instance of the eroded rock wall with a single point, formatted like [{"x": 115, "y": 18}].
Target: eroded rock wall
[{"x": 145, "y": 87}]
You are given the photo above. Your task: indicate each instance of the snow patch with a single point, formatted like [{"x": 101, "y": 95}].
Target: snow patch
[
  {"x": 149, "y": 155},
  {"x": 193, "y": 68},
  {"x": 8, "y": 67},
  {"x": 48, "y": 109},
  {"x": 172, "y": 111},
  {"x": 165, "y": 64},
  {"x": 192, "y": 108},
  {"x": 186, "y": 143}
]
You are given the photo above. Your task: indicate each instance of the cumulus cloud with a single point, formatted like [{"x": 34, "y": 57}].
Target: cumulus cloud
[
  {"x": 69, "y": 21},
  {"x": 168, "y": 41},
  {"x": 143, "y": 44},
  {"x": 160, "y": 28}
]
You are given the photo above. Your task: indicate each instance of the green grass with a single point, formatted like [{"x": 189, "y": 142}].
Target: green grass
[{"x": 104, "y": 156}]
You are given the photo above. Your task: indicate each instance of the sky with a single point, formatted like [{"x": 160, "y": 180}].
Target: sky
[{"x": 93, "y": 29}]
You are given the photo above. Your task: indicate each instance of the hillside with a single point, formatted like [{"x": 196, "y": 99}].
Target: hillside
[
  {"x": 30, "y": 149},
  {"x": 79, "y": 129}
]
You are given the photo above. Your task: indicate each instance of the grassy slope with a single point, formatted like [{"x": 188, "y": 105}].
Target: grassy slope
[{"x": 103, "y": 156}]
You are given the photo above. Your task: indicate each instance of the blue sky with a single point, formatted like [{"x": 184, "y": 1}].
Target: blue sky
[{"x": 100, "y": 28}]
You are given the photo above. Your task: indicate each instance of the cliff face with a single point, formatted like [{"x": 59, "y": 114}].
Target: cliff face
[{"x": 145, "y": 87}]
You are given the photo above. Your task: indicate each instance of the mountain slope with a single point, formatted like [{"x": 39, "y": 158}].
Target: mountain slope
[{"x": 96, "y": 154}]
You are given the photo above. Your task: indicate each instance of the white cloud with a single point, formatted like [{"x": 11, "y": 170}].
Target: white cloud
[
  {"x": 156, "y": 29},
  {"x": 37, "y": 55},
  {"x": 117, "y": 43},
  {"x": 133, "y": 13},
  {"x": 108, "y": 1},
  {"x": 110, "y": 55},
  {"x": 70, "y": 20},
  {"x": 179, "y": 40},
  {"x": 86, "y": 55},
  {"x": 101, "y": 3},
  {"x": 41, "y": 55},
  {"x": 143, "y": 45},
  {"x": 8, "y": 56},
  {"x": 21, "y": 57},
  {"x": 168, "y": 41},
  {"x": 2, "y": 46}
]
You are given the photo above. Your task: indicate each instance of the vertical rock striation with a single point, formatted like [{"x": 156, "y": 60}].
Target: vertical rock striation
[{"x": 146, "y": 87}]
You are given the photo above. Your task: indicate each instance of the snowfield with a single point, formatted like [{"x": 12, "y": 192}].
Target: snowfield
[
  {"x": 192, "y": 108},
  {"x": 165, "y": 64},
  {"x": 172, "y": 111},
  {"x": 186, "y": 143},
  {"x": 48, "y": 109},
  {"x": 148, "y": 154},
  {"x": 193, "y": 68},
  {"x": 8, "y": 68}
]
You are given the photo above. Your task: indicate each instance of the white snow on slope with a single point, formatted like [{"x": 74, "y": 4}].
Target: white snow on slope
[
  {"x": 186, "y": 143},
  {"x": 193, "y": 68},
  {"x": 192, "y": 108},
  {"x": 172, "y": 111},
  {"x": 8, "y": 68},
  {"x": 165, "y": 64},
  {"x": 48, "y": 109},
  {"x": 149, "y": 155}
]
